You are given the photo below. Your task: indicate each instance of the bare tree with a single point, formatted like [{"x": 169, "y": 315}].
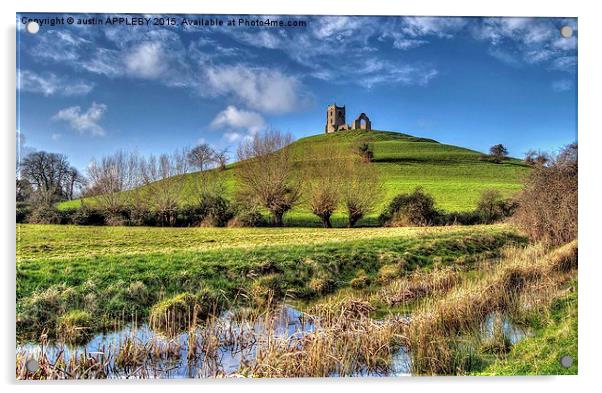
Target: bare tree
[
  {"x": 221, "y": 158},
  {"x": 323, "y": 180},
  {"x": 265, "y": 174},
  {"x": 47, "y": 174},
  {"x": 361, "y": 190},
  {"x": 110, "y": 177},
  {"x": 163, "y": 178},
  {"x": 74, "y": 181},
  {"x": 537, "y": 158},
  {"x": 201, "y": 156}
]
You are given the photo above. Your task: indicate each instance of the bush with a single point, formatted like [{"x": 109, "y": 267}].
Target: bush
[
  {"x": 22, "y": 212},
  {"x": 547, "y": 205},
  {"x": 492, "y": 207},
  {"x": 460, "y": 218},
  {"x": 218, "y": 210},
  {"x": 45, "y": 214},
  {"x": 247, "y": 217},
  {"x": 415, "y": 209},
  {"x": 87, "y": 215}
]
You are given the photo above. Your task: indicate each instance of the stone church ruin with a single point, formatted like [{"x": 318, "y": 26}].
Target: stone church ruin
[{"x": 335, "y": 120}]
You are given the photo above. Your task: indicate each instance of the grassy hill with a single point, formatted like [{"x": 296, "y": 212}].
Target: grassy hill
[{"x": 455, "y": 176}]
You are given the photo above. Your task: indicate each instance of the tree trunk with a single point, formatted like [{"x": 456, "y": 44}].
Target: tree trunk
[
  {"x": 277, "y": 219},
  {"x": 326, "y": 221}
]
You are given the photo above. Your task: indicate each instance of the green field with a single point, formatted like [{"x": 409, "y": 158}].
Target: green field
[
  {"x": 119, "y": 272},
  {"x": 453, "y": 175}
]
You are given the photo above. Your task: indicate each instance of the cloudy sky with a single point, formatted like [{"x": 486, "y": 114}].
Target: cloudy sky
[{"x": 86, "y": 91}]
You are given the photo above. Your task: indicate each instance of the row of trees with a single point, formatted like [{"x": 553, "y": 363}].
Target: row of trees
[{"x": 268, "y": 178}]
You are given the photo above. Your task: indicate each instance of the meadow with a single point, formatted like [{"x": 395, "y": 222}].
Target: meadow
[
  {"x": 120, "y": 272},
  {"x": 442, "y": 298}
]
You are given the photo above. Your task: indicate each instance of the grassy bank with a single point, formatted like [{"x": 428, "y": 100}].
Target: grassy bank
[
  {"x": 553, "y": 337},
  {"x": 118, "y": 273}
]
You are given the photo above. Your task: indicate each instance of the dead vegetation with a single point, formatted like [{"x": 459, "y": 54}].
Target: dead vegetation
[{"x": 525, "y": 281}]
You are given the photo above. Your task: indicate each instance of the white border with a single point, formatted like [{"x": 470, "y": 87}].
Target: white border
[{"x": 590, "y": 143}]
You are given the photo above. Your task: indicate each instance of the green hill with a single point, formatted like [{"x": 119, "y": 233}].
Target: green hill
[{"x": 455, "y": 176}]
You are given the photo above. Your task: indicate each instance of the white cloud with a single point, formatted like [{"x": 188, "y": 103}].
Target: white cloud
[
  {"x": 562, "y": 85},
  {"x": 85, "y": 122},
  {"x": 528, "y": 40},
  {"x": 50, "y": 84},
  {"x": 59, "y": 46},
  {"x": 56, "y": 136},
  {"x": 565, "y": 63},
  {"x": 442, "y": 27},
  {"x": 262, "y": 89},
  {"x": 234, "y": 118},
  {"x": 146, "y": 60},
  {"x": 232, "y": 136},
  {"x": 375, "y": 72}
]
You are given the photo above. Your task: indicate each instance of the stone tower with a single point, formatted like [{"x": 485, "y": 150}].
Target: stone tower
[{"x": 335, "y": 118}]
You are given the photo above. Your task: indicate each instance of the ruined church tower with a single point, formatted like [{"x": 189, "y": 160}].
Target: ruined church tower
[{"x": 335, "y": 118}]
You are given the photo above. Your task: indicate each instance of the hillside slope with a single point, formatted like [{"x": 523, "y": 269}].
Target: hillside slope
[{"x": 455, "y": 176}]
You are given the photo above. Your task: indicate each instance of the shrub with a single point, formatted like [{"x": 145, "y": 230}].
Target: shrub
[
  {"x": 247, "y": 217},
  {"x": 493, "y": 207},
  {"x": 87, "y": 215},
  {"x": 498, "y": 152},
  {"x": 547, "y": 205},
  {"x": 415, "y": 209},
  {"x": 459, "y": 218},
  {"x": 217, "y": 209},
  {"x": 45, "y": 214},
  {"x": 365, "y": 153},
  {"x": 22, "y": 212}
]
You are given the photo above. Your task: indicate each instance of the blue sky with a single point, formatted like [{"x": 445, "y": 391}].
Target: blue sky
[{"x": 87, "y": 91}]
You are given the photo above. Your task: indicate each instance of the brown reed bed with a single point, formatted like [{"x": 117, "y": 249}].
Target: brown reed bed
[
  {"x": 418, "y": 285},
  {"x": 524, "y": 282},
  {"x": 345, "y": 342}
]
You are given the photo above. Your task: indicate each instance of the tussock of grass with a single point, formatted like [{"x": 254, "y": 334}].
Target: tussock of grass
[
  {"x": 419, "y": 284},
  {"x": 76, "y": 326}
]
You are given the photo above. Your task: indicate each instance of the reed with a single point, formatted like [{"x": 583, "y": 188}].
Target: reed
[{"x": 438, "y": 327}]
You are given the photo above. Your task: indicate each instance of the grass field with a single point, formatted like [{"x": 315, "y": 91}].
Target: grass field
[
  {"x": 455, "y": 176},
  {"x": 119, "y": 272}
]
